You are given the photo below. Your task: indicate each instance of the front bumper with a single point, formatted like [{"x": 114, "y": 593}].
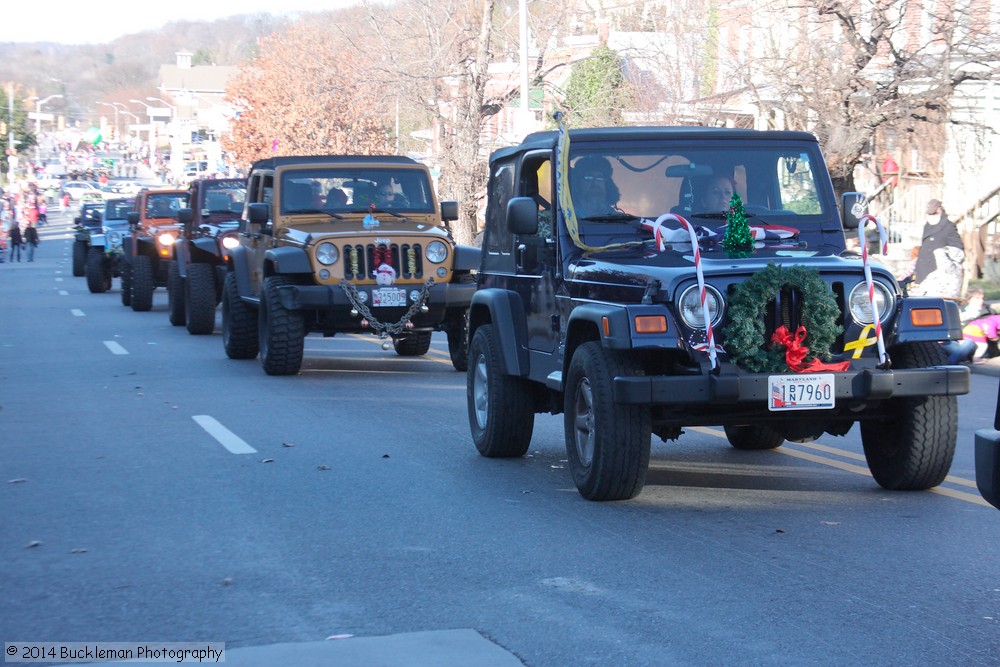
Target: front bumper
[
  {"x": 441, "y": 298},
  {"x": 733, "y": 388}
]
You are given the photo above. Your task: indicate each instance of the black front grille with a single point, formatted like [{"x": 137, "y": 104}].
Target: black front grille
[
  {"x": 359, "y": 260},
  {"x": 786, "y": 309}
]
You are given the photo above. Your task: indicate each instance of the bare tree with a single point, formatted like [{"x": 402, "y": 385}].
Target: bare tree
[{"x": 848, "y": 70}]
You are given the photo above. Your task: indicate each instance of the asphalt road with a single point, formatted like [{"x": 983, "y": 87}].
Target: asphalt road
[{"x": 151, "y": 489}]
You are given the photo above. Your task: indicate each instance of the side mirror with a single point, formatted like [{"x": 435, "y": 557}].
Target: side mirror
[
  {"x": 133, "y": 219},
  {"x": 852, "y": 207},
  {"x": 258, "y": 213},
  {"x": 522, "y": 215},
  {"x": 184, "y": 217},
  {"x": 449, "y": 210}
]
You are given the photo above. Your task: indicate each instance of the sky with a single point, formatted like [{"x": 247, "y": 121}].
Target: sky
[{"x": 75, "y": 22}]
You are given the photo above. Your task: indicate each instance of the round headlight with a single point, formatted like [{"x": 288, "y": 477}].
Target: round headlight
[
  {"x": 436, "y": 251},
  {"x": 860, "y": 304},
  {"x": 230, "y": 242},
  {"x": 166, "y": 238},
  {"x": 326, "y": 253},
  {"x": 114, "y": 238},
  {"x": 690, "y": 308}
]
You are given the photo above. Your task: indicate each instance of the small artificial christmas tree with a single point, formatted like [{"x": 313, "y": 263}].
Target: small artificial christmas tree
[{"x": 738, "y": 241}]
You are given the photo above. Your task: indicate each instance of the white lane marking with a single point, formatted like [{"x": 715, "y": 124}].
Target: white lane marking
[
  {"x": 59, "y": 280},
  {"x": 115, "y": 347},
  {"x": 226, "y": 438},
  {"x": 77, "y": 312},
  {"x": 63, "y": 292}
]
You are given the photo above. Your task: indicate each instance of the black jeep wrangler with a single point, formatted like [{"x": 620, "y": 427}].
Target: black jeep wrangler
[
  {"x": 209, "y": 231},
  {"x": 344, "y": 244},
  {"x": 640, "y": 280}
]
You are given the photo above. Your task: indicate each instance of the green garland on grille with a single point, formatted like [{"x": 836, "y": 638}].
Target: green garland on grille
[{"x": 744, "y": 334}]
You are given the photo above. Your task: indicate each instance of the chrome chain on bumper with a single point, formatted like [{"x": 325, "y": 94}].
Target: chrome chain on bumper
[{"x": 381, "y": 328}]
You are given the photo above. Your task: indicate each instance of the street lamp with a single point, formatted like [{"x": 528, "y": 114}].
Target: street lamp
[
  {"x": 38, "y": 124},
  {"x": 173, "y": 109},
  {"x": 117, "y": 130}
]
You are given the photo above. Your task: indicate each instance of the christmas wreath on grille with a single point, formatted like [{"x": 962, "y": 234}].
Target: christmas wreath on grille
[{"x": 744, "y": 334}]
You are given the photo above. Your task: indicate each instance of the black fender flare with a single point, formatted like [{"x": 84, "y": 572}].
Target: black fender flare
[
  {"x": 950, "y": 328},
  {"x": 505, "y": 311},
  {"x": 467, "y": 258},
  {"x": 239, "y": 263},
  {"x": 181, "y": 257},
  {"x": 286, "y": 260}
]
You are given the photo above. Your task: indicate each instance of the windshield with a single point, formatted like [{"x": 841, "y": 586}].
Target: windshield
[
  {"x": 781, "y": 190},
  {"x": 223, "y": 197},
  {"x": 165, "y": 204},
  {"x": 342, "y": 190}
]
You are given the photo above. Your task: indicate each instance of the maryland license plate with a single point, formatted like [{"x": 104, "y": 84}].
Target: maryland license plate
[
  {"x": 801, "y": 392},
  {"x": 388, "y": 296}
]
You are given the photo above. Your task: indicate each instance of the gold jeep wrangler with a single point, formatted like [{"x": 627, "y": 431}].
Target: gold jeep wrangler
[{"x": 344, "y": 244}]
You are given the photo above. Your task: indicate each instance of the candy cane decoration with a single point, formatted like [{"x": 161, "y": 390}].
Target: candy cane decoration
[
  {"x": 702, "y": 292},
  {"x": 883, "y": 358}
]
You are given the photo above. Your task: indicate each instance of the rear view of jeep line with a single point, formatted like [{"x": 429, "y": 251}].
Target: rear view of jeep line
[
  {"x": 641, "y": 280},
  {"x": 344, "y": 244}
]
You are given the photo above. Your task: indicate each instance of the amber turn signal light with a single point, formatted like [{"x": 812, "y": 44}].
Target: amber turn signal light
[
  {"x": 650, "y": 324},
  {"x": 926, "y": 317}
]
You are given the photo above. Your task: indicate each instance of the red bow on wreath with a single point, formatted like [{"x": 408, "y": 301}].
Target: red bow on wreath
[{"x": 795, "y": 352}]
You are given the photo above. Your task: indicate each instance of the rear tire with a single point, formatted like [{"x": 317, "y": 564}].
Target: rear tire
[
  {"x": 412, "y": 344},
  {"x": 912, "y": 447},
  {"x": 199, "y": 299},
  {"x": 458, "y": 342},
  {"x": 607, "y": 443},
  {"x": 126, "y": 272},
  {"x": 501, "y": 413},
  {"x": 282, "y": 331},
  {"x": 239, "y": 322},
  {"x": 175, "y": 295},
  {"x": 753, "y": 437},
  {"x": 79, "y": 258},
  {"x": 98, "y": 276},
  {"x": 142, "y": 283}
]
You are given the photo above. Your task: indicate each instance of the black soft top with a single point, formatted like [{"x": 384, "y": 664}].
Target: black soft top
[
  {"x": 297, "y": 160},
  {"x": 652, "y": 134}
]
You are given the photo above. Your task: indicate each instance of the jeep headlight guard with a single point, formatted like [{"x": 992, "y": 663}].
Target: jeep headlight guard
[
  {"x": 861, "y": 307},
  {"x": 689, "y": 306},
  {"x": 327, "y": 254},
  {"x": 436, "y": 252}
]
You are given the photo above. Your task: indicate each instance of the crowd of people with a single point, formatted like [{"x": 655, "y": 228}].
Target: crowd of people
[{"x": 22, "y": 211}]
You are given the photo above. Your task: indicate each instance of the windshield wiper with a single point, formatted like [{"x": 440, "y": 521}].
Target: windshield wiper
[
  {"x": 377, "y": 210},
  {"x": 611, "y": 217},
  {"x": 313, "y": 211}
]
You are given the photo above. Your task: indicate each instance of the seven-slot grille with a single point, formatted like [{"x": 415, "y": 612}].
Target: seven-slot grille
[{"x": 359, "y": 260}]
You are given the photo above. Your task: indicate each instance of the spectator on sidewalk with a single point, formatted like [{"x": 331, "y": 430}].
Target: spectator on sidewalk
[
  {"x": 30, "y": 241},
  {"x": 939, "y": 269},
  {"x": 979, "y": 341},
  {"x": 14, "y": 234}
]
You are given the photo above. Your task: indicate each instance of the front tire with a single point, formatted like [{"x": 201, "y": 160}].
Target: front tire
[
  {"x": 98, "y": 275},
  {"x": 282, "y": 331},
  {"x": 750, "y": 437},
  {"x": 607, "y": 443},
  {"x": 912, "y": 446},
  {"x": 199, "y": 299},
  {"x": 175, "y": 295},
  {"x": 239, "y": 322},
  {"x": 501, "y": 413},
  {"x": 142, "y": 283}
]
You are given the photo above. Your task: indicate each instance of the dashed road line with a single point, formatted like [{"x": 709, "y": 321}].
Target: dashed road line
[
  {"x": 226, "y": 438},
  {"x": 63, "y": 292},
  {"x": 115, "y": 347},
  {"x": 77, "y": 312}
]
